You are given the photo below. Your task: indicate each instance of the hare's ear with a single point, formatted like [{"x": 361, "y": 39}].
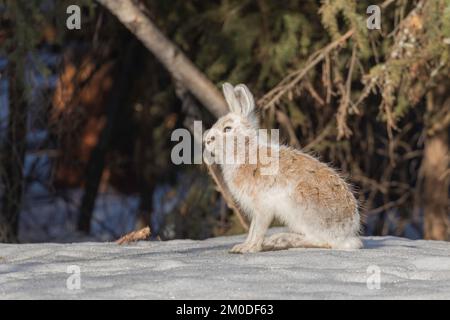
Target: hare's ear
[
  {"x": 245, "y": 99},
  {"x": 230, "y": 97}
]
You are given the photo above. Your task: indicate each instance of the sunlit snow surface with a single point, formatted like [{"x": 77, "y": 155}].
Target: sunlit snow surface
[{"x": 185, "y": 269}]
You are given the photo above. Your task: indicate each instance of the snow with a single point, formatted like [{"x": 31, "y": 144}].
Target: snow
[{"x": 187, "y": 269}]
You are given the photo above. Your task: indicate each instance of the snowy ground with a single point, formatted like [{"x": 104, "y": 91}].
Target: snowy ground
[{"x": 185, "y": 269}]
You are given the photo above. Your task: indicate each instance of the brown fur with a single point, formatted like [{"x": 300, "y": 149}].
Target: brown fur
[{"x": 317, "y": 183}]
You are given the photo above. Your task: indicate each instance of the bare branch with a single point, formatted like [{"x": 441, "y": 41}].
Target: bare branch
[
  {"x": 168, "y": 54},
  {"x": 184, "y": 72},
  {"x": 134, "y": 236}
]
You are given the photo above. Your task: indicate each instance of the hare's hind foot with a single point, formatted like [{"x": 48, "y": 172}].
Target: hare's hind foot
[{"x": 283, "y": 241}]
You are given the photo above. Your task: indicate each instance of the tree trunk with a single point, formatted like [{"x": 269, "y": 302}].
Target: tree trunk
[
  {"x": 123, "y": 77},
  {"x": 13, "y": 154},
  {"x": 435, "y": 183}
]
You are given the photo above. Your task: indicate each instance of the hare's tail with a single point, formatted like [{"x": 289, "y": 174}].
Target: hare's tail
[{"x": 283, "y": 241}]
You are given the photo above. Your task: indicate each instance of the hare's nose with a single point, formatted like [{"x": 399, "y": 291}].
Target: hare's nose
[{"x": 210, "y": 139}]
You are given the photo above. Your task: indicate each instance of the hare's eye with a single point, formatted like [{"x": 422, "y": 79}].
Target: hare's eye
[{"x": 226, "y": 129}]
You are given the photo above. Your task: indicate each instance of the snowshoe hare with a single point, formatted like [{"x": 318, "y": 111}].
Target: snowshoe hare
[{"x": 308, "y": 196}]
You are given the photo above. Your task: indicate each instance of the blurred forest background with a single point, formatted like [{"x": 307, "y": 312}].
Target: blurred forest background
[{"x": 86, "y": 115}]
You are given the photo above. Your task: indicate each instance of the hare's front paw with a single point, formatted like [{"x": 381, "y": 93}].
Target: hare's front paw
[{"x": 246, "y": 248}]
